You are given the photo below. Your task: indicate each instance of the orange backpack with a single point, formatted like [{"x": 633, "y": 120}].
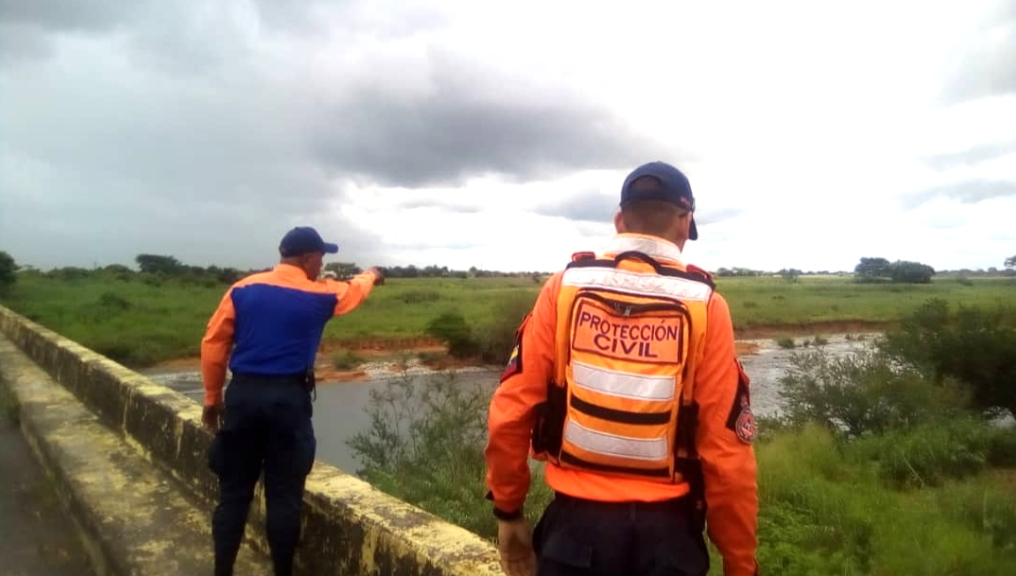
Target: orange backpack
[{"x": 629, "y": 338}]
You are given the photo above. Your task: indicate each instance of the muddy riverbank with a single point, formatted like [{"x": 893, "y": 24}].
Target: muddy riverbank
[{"x": 340, "y": 410}]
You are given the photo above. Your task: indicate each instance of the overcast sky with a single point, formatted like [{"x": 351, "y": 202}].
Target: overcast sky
[{"x": 813, "y": 133}]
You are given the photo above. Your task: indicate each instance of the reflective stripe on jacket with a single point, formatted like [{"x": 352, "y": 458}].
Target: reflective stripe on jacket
[{"x": 627, "y": 340}]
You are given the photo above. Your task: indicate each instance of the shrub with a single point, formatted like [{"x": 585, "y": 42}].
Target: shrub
[
  {"x": 497, "y": 337},
  {"x": 346, "y": 360},
  {"x": 425, "y": 445},
  {"x": 451, "y": 328},
  {"x": 786, "y": 342},
  {"x": 491, "y": 341},
  {"x": 930, "y": 453},
  {"x": 113, "y": 302},
  {"x": 863, "y": 392},
  {"x": 975, "y": 346},
  {"x": 421, "y": 296},
  {"x": 132, "y": 354},
  {"x": 1001, "y": 449},
  {"x": 430, "y": 357},
  {"x": 8, "y": 271}
]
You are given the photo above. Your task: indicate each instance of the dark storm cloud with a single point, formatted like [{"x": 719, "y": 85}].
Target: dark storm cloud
[
  {"x": 589, "y": 206},
  {"x": 596, "y": 207},
  {"x": 972, "y": 156},
  {"x": 28, "y": 28},
  {"x": 162, "y": 128},
  {"x": 67, "y": 15},
  {"x": 968, "y": 192},
  {"x": 461, "y": 129}
]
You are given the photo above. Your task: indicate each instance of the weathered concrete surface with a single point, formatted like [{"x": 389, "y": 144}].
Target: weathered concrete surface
[
  {"x": 35, "y": 537},
  {"x": 134, "y": 518},
  {"x": 350, "y": 528}
]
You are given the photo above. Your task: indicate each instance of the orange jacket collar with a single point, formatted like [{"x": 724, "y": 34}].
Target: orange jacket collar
[
  {"x": 290, "y": 271},
  {"x": 650, "y": 245}
]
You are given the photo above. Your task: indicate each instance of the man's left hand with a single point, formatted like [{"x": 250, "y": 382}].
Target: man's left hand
[
  {"x": 211, "y": 417},
  {"x": 515, "y": 545}
]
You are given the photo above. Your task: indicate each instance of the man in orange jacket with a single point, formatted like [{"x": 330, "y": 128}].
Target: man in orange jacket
[
  {"x": 268, "y": 327},
  {"x": 625, "y": 382}
]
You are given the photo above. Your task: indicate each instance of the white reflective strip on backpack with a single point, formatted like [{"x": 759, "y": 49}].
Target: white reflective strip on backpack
[
  {"x": 611, "y": 445},
  {"x": 637, "y": 283},
  {"x": 623, "y": 384}
]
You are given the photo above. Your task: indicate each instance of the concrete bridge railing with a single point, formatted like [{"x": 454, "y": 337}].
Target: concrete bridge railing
[{"x": 349, "y": 527}]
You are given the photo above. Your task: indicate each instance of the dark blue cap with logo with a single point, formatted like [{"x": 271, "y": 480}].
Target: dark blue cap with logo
[
  {"x": 673, "y": 187},
  {"x": 304, "y": 240}
]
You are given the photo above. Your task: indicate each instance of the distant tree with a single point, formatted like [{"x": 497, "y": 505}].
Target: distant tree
[
  {"x": 117, "y": 269},
  {"x": 790, "y": 274},
  {"x": 8, "y": 270},
  {"x": 903, "y": 272},
  {"x": 900, "y": 272},
  {"x": 1010, "y": 263},
  {"x": 153, "y": 263},
  {"x": 872, "y": 270}
]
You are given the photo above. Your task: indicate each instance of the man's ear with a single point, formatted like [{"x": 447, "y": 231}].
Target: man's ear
[{"x": 619, "y": 222}]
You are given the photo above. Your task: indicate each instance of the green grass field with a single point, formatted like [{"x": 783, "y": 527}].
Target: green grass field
[{"x": 140, "y": 323}]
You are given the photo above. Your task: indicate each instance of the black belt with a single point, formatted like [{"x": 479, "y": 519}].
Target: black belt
[
  {"x": 270, "y": 378},
  {"x": 681, "y": 503},
  {"x": 305, "y": 380}
]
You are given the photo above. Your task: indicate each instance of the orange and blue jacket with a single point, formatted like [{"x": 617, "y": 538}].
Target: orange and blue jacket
[
  {"x": 271, "y": 323},
  {"x": 723, "y": 435}
]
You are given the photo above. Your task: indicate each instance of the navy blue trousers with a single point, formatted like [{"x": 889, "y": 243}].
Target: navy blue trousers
[
  {"x": 577, "y": 537},
  {"x": 266, "y": 428}
]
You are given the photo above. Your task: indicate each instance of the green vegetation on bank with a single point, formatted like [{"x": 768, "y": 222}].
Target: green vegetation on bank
[
  {"x": 144, "y": 318},
  {"x": 883, "y": 463}
]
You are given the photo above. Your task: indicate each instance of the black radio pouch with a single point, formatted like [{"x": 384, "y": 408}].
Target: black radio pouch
[
  {"x": 689, "y": 464},
  {"x": 549, "y": 425}
]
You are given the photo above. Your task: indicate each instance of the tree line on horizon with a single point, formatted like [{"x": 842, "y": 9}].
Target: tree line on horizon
[{"x": 155, "y": 267}]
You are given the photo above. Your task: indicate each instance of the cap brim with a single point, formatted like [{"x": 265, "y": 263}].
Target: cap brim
[{"x": 330, "y": 248}]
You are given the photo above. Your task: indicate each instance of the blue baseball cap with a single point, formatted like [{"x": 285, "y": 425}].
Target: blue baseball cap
[
  {"x": 304, "y": 240},
  {"x": 673, "y": 187}
]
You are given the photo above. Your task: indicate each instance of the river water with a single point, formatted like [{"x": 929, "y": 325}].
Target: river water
[{"x": 341, "y": 407}]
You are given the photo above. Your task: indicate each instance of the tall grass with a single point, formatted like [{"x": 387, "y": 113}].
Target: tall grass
[{"x": 826, "y": 509}]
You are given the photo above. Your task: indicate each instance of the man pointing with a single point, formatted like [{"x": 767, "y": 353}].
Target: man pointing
[{"x": 267, "y": 328}]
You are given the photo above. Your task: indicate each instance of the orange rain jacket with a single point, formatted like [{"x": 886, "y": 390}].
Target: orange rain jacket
[
  {"x": 271, "y": 324},
  {"x": 723, "y": 438}
]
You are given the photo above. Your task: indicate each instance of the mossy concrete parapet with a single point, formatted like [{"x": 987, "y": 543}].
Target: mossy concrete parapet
[
  {"x": 350, "y": 528},
  {"x": 132, "y": 517}
]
